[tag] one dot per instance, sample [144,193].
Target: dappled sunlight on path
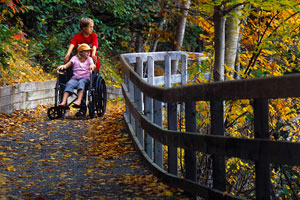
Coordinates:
[73,158]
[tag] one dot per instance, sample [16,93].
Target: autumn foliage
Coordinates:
[269,46]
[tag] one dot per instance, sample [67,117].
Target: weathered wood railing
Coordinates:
[144,121]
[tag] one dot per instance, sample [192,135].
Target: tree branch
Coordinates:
[230,8]
[289,183]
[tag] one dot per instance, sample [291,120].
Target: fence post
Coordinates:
[190,156]
[149,107]
[217,128]
[158,147]
[138,99]
[261,130]
[184,74]
[190,159]
[172,121]
[127,85]
[131,93]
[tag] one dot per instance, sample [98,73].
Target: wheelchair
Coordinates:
[94,99]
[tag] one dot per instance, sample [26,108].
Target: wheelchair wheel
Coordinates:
[54,113]
[91,107]
[100,97]
[59,92]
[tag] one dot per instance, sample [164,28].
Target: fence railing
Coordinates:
[144,119]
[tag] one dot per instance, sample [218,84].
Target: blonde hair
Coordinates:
[82,47]
[85,22]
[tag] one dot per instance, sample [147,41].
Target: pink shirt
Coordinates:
[81,69]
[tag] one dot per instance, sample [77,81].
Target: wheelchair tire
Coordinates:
[91,107]
[54,113]
[59,92]
[101,97]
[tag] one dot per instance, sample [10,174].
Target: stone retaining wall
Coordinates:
[30,95]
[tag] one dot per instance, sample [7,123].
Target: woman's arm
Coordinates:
[94,49]
[67,57]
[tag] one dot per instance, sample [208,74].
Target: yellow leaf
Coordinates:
[2,179]
[11,169]
[168,193]
[287,109]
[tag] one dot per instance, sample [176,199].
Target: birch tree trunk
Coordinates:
[219,21]
[232,39]
[161,26]
[180,31]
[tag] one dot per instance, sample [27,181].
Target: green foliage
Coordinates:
[191,40]
[50,24]
[120,20]
[5,38]
[47,50]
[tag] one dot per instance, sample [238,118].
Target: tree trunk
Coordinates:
[180,31]
[217,107]
[139,42]
[161,26]
[219,21]
[232,39]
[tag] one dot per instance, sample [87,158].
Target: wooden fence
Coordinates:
[144,117]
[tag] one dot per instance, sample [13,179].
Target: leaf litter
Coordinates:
[73,158]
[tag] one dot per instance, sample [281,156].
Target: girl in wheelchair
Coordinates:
[82,64]
[77,76]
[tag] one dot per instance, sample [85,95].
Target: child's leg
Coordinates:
[64,100]
[68,91]
[81,87]
[79,97]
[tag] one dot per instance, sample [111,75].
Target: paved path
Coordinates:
[73,159]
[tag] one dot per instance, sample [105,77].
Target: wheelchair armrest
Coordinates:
[61,71]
